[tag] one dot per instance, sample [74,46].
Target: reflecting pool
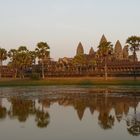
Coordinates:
[69,113]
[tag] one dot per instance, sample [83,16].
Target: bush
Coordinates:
[35,76]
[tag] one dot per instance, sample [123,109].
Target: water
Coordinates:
[69,113]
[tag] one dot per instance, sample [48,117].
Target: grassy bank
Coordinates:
[70,81]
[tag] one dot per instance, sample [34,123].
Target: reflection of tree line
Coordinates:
[104,105]
[21,109]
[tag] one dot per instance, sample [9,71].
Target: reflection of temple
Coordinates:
[120,63]
[109,108]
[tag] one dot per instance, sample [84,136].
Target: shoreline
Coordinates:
[77,81]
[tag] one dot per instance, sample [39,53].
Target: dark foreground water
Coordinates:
[70,113]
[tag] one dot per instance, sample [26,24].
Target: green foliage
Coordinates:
[42,118]
[80,60]
[20,59]
[105,49]
[43,53]
[134,43]
[42,50]
[3,54]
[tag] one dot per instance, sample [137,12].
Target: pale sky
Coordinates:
[63,23]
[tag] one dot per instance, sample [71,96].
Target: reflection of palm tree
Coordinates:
[42,118]
[20,108]
[133,126]
[119,110]
[106,121]
[135,129]
[134,122]
[2,110]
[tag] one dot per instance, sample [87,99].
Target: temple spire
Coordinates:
[118,50]
[103,39]
[125,52]
[91,51]
[80,49]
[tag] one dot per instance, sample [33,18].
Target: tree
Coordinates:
[33,56]
[83,61]
[43,53]
[3,56]
[21,59]
[105,50]
[13,61]
[134,44]
[80,60]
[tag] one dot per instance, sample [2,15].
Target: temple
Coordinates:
[120,63]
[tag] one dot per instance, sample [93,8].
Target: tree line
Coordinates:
[23,58]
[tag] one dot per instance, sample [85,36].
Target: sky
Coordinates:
[64,23]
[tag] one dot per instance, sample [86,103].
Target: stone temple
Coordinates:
[119,53]
[120,63]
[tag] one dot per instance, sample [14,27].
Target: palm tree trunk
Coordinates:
[23,74]
[0,68]
[43,75]
[134,59]
[15,76]
[105,68]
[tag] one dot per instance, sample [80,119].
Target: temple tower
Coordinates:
[80,49]
[103,39]
[91,51]
[118,52]
[125,52]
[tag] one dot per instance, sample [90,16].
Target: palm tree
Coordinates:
[43,53]
[24,59]
[22,49]
[20,60]
[33,56]
[134,44]
[13,61]
[3,56]
[105,49]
